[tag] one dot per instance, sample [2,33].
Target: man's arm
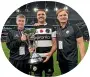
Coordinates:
[80,43]
[79,39]
[53,49]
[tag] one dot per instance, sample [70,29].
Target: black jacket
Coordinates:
[13,43]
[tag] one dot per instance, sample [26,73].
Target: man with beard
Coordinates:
[19,53]
[46,44]
[68,36]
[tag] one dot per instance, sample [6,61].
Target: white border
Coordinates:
[7,7]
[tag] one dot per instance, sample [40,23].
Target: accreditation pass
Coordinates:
[60,44]
[22,50]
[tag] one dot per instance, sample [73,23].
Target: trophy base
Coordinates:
[35,59]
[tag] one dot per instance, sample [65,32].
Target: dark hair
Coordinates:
[41,10]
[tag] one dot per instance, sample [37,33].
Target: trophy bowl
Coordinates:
[35,58]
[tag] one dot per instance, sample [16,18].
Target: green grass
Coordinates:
[56,67]
[5,49]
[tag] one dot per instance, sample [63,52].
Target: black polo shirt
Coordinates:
[66,42]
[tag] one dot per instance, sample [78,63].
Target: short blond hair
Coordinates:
[60,10]
[21,16]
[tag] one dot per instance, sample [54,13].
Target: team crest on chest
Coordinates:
[47,30]
[67,32]
[16,35]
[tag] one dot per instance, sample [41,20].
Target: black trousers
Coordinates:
[47,67]
[66,65]
[21,65]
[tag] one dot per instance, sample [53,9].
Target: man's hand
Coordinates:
[36,24]
[48,55]
[23,37]
[53,49]
[31,49]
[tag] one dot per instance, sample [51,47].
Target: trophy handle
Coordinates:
[31,39]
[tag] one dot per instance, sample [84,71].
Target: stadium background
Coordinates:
[29,10]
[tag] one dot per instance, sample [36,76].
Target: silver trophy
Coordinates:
[35,58]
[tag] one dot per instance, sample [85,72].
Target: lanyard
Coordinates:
[59,34]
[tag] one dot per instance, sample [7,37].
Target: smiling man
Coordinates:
[46,44]
[68,36]
[19,53]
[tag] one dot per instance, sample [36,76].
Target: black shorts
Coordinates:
[47,67]
[21,65]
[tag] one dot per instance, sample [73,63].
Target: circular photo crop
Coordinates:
[45,38]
